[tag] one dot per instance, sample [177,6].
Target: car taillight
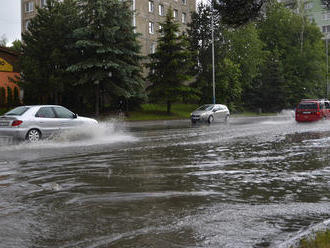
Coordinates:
[16,123]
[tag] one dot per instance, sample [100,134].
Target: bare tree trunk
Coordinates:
[168,107]
[97,100]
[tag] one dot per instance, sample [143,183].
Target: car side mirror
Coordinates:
[75,116]
[214,110]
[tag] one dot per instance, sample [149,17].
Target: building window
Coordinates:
[161,9]
[153,48]
[311,19]
[29,7]
[326,16]
[184,2]
[308,5]
[26,26]
[151,6]
[175,14]
[43,3]
[326,29]
[184,18]
[151,27]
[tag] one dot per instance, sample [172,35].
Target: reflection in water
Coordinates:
[247,184]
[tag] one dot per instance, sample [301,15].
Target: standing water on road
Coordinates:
[255,182]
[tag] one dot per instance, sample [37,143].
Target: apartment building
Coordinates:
[150,13]
[314,10]
[147,17]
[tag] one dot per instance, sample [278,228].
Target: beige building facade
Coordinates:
[148,14]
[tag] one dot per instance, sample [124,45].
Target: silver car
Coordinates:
[35,122]
[210,112]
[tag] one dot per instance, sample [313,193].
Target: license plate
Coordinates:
[306,112]
[4,123]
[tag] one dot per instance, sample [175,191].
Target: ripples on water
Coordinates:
[247,184]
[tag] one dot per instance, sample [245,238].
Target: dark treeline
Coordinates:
[269,64]
[85,55]
[82,54]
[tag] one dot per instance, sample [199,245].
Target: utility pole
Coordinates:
[213,71]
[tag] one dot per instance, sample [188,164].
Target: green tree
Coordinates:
[244,47]
[238,12]
[302,60]
[170,65]
[269,91]
[17,46]
[228,83]
[46,53]
[239,46]
[16,100]
[2,96]
[109,50]
[9,97]
[3,40]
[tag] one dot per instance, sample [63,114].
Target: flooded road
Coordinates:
[255,182]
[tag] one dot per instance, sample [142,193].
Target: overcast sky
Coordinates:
[10,20]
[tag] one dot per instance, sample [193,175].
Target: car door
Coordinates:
[216,112]
[220,113]
[66,118]
[47,122]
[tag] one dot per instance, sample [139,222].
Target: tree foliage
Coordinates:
[302,60]
[170,65]
[109,49]
[2,96]
[10,97]
[270,64]
[17,46]
[237,49]
[3,40]
[47,55]
[238,12]
[70,45]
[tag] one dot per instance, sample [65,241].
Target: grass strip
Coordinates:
[159,112]
[320,240]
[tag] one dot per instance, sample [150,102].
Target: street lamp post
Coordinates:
[213,71]
[326,48]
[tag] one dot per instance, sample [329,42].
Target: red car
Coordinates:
[312,110]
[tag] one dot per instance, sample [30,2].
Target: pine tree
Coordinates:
[16,97]
[170,65]
[9,97]
[238,12]
[2,96]
[46,54]
[109,48]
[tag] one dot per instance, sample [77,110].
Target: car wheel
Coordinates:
[33,135]
[210,119]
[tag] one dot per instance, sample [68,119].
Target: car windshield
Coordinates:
[307,105]
[17,111]
[205,107]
